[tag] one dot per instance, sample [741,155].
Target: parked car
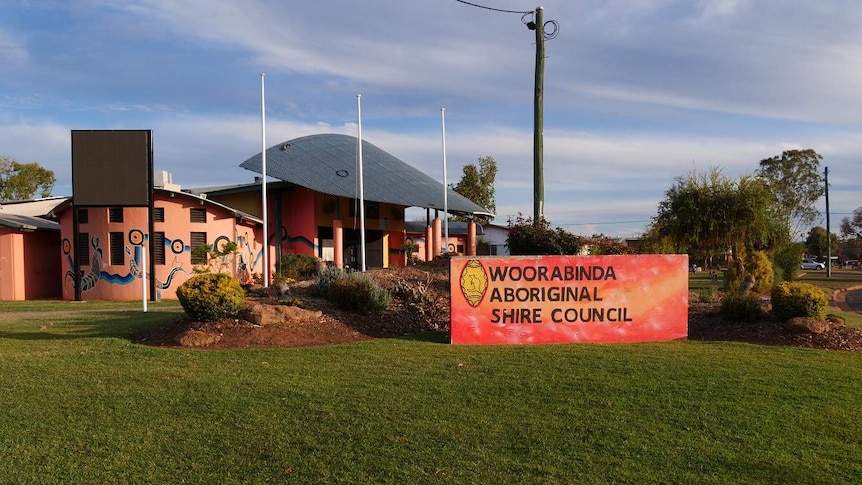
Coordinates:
[811,264]
[852,263]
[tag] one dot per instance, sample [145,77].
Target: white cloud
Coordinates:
[12,49]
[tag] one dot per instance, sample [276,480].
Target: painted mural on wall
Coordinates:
[136,240]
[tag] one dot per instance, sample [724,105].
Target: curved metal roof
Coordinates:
[328,163]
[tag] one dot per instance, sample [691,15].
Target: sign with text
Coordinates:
[564,299]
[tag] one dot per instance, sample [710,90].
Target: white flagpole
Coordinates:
[361,182]
[263,181]
[445,248]
[144,275]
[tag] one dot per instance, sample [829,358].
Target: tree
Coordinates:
[20,181]
[708,213]
[477,184]
[815,243]
[796,183]
[851,227]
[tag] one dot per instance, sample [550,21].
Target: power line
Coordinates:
[602,223]
[494,9]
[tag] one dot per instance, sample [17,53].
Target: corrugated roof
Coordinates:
[328,163]
[27,223]
[33,208]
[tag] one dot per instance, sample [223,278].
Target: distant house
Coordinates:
[29,256]
[112,242]
[496,237]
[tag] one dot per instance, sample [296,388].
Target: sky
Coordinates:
[636,92]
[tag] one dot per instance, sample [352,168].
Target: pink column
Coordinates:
[438,237]
[429,238]
[471,239]
[338,243]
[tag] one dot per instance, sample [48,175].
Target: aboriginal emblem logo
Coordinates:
[474,282]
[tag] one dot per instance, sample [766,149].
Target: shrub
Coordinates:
[758,264]
[296,266]
[359,293]
[420,300]
[529,238]
[323,281]
[739,307]
[410,248]
[787,260]
[211,296]
[798,300]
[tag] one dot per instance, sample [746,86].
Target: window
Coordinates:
[117,253]
[159,248]
[372,209]
[115,214]
[83,216]
[197,214]
[158,214]
[198,239]
[83,249]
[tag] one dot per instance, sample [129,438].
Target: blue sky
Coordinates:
[637,92]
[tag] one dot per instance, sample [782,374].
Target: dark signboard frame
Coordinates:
[112,167]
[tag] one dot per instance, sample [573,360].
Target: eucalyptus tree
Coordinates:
[851,227]
[796,182]
[709,213]
[477,184]
[21,181]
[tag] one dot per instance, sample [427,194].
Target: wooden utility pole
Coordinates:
[828,231]
[538,121]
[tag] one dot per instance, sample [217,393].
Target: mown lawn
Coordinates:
[82,404]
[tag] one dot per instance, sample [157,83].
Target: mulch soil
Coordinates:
[320,322]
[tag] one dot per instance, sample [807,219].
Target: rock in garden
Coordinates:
[197,338]
[808,325]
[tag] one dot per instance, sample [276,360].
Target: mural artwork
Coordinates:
[97,274]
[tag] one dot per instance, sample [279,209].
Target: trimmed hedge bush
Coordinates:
[211,296]
[798,300]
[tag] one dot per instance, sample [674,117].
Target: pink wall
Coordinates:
[105,281]
[29,265]
[11,270]
[298,218]
[42,261]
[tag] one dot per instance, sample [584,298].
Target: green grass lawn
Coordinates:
[80,403]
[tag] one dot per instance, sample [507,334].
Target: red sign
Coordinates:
[564,299]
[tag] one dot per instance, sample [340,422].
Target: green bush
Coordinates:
[758,264]
[786,260]
[211,296]
[359,293]
[296,266]
[529,238]
[741,308]
[410,249]
[323,281]
[798,300]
